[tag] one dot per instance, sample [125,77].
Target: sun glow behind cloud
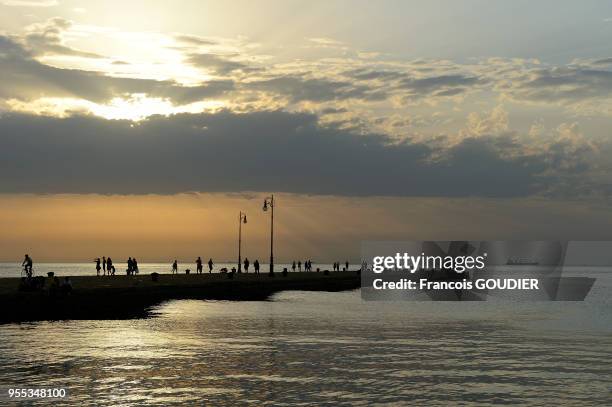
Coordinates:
[126,54]
[135,108]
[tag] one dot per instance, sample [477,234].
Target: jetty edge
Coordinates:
[126,297]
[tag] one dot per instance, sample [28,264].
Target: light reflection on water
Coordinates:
[324,348]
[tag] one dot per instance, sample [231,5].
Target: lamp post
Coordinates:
[269,201]
[241,219]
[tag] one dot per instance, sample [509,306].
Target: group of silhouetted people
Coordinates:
[337,266]
[307,265]
[246,263]
[132,266]
[199,266]
[106,265]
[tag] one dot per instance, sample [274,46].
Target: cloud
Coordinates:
[47,39]
[421,80]
[25,78]
[260,151]
[218,64]
[604,61]
[580,86]
[494,122]
[301,88]
[193,40]
[441,85]
[366,74]
[569,149]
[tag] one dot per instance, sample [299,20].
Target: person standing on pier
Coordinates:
[210,266]
[256,266]
[175,267]
[246,264]
[293,266]
[110,267]
[300,266]
[199,265]
[347,264]
[135,265]
[130,266]
[98,266]
[103,265]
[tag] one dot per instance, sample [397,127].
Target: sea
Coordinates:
[318,348]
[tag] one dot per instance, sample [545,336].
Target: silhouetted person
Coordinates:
[98,266]
[210,266]
[135,265]
[104,265]
[27,265]
[300,266]
[293,266]
[175,267]
[346,264]
[256,266]
[199,265]
[130,266]
[246,264]
[109,266]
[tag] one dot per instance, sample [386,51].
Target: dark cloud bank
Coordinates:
[263,151]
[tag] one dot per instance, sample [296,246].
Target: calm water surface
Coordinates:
[326,349]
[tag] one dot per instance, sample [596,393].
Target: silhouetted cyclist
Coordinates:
[27,265]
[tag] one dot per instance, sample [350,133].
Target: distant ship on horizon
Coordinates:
[518,261]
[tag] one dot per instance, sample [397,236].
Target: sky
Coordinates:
[143,128]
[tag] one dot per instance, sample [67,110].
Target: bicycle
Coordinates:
[27,272]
